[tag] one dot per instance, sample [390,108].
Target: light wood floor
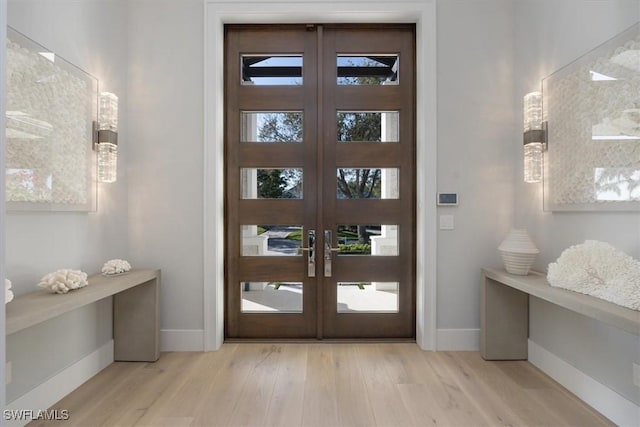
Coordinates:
[324,385]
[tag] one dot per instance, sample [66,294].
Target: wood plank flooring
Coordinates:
[318,384]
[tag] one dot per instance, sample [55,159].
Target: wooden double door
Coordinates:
[320,181]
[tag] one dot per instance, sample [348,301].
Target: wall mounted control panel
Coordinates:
[447,199]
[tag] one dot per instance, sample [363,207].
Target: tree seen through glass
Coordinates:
[285,127]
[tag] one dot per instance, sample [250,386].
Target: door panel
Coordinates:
[398,158]
[320,141]
[247,154]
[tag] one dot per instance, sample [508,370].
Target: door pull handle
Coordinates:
[311,253]
[328,241]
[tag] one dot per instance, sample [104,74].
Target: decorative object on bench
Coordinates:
[115,266]
[600,270]
[63,281]
[518,252]
[8,293]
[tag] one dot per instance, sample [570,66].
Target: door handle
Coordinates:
[328,241]
[311,253]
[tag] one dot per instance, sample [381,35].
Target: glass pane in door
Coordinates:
[271,126]
[367,70]
[271,297]
[375,183]
[271,240]
[367,297]
[271,70]
[375,240]
[271,183]
[368,126]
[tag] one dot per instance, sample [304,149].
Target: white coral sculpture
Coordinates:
[600,270]
[115,266]
[8,293]
[63,281]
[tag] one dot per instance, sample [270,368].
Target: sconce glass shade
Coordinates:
[107,162]
[533,156]
[533,137]
[107,137]
[533,111]
[108,112]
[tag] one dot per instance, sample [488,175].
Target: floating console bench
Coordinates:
[504,311]
[136,311]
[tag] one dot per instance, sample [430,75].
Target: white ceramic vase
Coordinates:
[518,252]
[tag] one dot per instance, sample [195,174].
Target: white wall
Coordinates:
[550,34]
[475,126]
[92,35]
[166,61]
[476,122]
[3,50]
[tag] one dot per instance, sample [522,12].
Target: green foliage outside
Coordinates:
[355,248]
[279,127]
[359,127]
[345,233]
[352,183]
[295,235]
[271,183]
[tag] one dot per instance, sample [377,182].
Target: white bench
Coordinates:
[504,311]
[136,311]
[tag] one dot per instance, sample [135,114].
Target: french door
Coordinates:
[320,181]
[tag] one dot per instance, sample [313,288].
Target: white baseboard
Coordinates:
[458,339]
[181,340]
[606,401]
[63,383]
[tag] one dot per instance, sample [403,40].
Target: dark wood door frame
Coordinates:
[319,44]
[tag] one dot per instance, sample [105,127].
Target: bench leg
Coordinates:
[504,322]
[136,323]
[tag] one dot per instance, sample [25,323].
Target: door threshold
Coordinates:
[320,341]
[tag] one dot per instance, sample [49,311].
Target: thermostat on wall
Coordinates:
[447,199]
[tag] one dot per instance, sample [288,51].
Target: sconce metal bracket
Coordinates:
[102,136]
[536,135]
[108,136]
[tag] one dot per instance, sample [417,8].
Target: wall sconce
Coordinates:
[106,137]
[535,137]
